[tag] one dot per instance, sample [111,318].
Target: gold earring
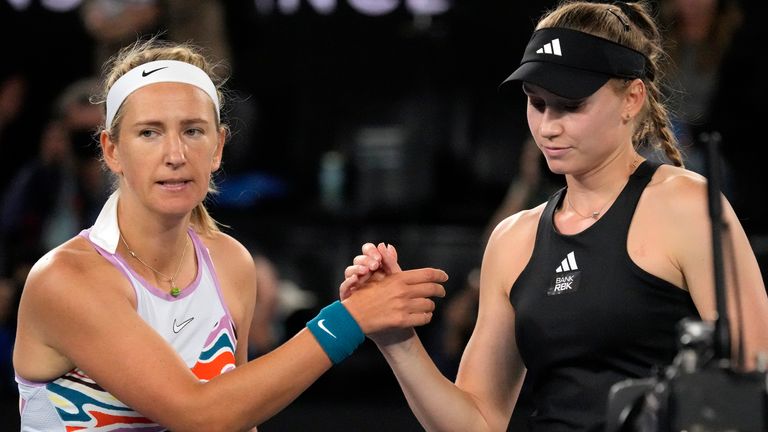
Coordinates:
[627,116]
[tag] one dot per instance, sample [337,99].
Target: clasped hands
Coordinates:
[393,301]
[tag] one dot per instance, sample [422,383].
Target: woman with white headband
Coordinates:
[587,289]
[141,321]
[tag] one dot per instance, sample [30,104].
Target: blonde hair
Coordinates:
[631,25]
[143,51]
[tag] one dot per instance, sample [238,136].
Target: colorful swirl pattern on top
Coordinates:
[218,354]
[197,324]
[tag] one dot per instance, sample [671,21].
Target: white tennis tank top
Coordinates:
[197,324]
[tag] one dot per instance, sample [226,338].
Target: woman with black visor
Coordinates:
[586,289]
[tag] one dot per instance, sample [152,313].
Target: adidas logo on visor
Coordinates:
[551,48]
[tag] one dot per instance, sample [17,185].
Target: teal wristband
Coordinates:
[336,331]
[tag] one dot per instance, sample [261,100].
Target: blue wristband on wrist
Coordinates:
[336,331]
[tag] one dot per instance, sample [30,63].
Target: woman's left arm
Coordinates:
[692,252]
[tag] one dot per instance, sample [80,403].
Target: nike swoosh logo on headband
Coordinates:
[145,73]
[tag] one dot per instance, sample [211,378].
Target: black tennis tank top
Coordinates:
[587,316]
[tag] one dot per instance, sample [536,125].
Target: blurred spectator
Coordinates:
[81,118]
[29,203]
[264,334]
[201,22]
[61,189]
[13,93]
[281,307]
[40,67]
[532,185]
[115,23]
[700,35]
[737,104]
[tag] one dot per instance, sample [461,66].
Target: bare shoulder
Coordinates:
[671,217]
[68,293]
[226,250]
[674,194]
[68,269]
[510,247]
[234,265]
[677,187]
[519,227]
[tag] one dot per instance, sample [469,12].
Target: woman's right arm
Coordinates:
[491,372]
[74,311]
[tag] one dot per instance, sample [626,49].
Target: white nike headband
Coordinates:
[156,72]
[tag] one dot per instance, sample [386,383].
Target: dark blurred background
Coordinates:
[353,121]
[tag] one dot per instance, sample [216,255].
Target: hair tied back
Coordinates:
[625,7]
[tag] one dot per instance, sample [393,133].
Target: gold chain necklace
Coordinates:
[175,290]
[596,214]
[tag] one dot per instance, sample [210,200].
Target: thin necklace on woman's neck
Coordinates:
[596,214]
[175,290]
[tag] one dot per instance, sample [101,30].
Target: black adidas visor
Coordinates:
[574,64]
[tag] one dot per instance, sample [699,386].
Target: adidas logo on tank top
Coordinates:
[567,276]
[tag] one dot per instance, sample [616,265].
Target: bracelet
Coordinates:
[336,331]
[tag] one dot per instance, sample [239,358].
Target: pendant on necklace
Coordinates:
[175,291]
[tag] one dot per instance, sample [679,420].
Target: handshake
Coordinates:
[379,300]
